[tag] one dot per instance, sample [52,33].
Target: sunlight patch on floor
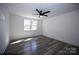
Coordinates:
[22,40]
[28,39]
[17,42]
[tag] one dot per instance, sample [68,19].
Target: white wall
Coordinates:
[64,27]
[4,30]
[17,28]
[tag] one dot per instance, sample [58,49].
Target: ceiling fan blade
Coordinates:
[46,15]
[46,12]
[37,10]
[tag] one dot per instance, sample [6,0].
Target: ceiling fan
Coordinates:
[41,13]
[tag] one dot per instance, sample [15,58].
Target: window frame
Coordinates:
[31,24]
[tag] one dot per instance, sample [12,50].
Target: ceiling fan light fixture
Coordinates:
[41,16]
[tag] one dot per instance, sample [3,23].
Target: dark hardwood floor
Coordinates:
[40,45]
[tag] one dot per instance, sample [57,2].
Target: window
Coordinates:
[27,24]
[34,25]
[30,24]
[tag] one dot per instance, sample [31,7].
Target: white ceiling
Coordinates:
[29,9]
